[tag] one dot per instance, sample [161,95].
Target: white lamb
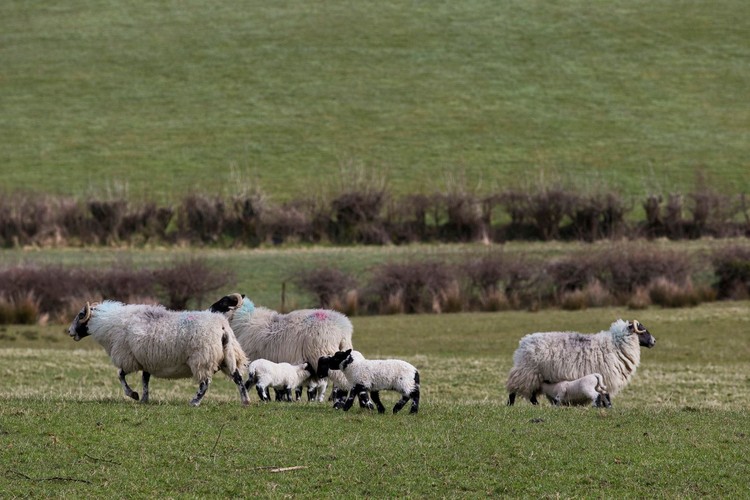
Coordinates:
[283,377]
[585,390]
[558,356]
[299,336]
[374,376]
[163,343]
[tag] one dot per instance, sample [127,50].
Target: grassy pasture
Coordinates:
[168,97]
[679,430]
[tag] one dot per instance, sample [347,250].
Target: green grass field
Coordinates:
[680,429]
[159,99]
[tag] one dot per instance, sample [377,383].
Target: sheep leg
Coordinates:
[511,398]
[298,393]
[414,401]
[401,403]
[533,399]
[237,378]
[375,395]
[339,397]
[202,388]
[125,387]
[353,394]
[145,378]
[262,393]
[364,401]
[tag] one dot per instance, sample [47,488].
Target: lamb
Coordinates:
[316,389]
[163,343]
[558,356]
[374,376]
[300,336]
[283,377]
[588,389]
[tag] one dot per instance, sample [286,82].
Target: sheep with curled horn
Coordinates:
[560,356]
[163,343]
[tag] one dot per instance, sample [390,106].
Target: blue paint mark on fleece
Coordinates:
[247,307]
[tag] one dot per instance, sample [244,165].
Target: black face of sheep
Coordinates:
[340,360]
[79,328]
[227,303]
[644,336]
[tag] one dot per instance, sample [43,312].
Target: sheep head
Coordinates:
[79,328]
[645,339]
[227,303]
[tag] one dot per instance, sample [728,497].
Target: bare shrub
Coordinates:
[573,301]
[499,281]
[598,215]
[407,219]
[146,223]
[107,216]
[417,284]
[190,280]
[732,270]
[358,205]
[329,285]
[640,299]
[201,219]
[654,226]
[665,293]
[291,222]
[630,267]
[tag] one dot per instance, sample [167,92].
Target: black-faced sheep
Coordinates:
[585,390]
[163,343]
[283,377]
[301,336]
[375,376]
[558,356]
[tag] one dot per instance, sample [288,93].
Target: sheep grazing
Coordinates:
[559,356]
[303,335]
[585,390]
[283,377]
[374,376]
[163,343]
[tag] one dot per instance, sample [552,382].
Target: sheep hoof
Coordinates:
[134,395]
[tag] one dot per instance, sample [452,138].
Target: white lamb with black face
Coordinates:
[283,377]
[374,375]
[163,343]
[585,390]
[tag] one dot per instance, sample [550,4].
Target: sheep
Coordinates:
[557,356]
[283,377]
[316,389]
[588,389]
[299,336]
[163,343]
[375,376]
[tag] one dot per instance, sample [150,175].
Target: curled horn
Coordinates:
[87,314]
[238,298]
[638,327]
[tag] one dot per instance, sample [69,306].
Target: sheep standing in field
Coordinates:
[558,356]
[283,377]
[375,376]
[163,343]
[299,336]
[585,390]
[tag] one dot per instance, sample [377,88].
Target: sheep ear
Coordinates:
[348,352]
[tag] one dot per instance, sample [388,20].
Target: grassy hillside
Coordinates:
[162,98]
[679,429]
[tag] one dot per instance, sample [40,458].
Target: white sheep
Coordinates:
[163,343]
[585,390]
[283,377]
[299,336]
[558,356]
[374,376]
[316,389]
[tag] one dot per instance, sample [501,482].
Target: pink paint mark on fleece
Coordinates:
[190,317]
[320,315]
